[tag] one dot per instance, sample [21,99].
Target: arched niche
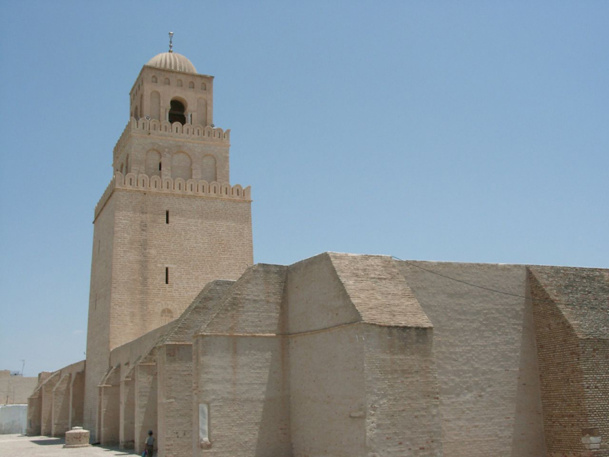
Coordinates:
[208,168]
[155,105]
[181,166]
[153,163]
[166,316]
[202,111]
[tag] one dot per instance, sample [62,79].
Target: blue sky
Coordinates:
[450,131]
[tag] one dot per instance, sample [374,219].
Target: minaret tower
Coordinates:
[170,221]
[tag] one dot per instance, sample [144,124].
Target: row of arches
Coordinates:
[179,83]
[181,166]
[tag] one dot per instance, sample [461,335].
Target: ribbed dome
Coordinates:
[172,61]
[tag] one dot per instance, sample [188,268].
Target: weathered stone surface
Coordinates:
[77,437]
[335,355]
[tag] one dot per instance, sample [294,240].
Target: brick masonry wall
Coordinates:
[143,240]
[138,147]
[328,393]
[15,389]
[46,422]
[562,393]
[205,239]
[402,395]
[109,414]
[34,411]
[61,406]
[77,387]
[243,380]
[595,372]
[98,342]
[146,417]
[489,391]
[316,298]
[174,365]
[127,414]
[574,370]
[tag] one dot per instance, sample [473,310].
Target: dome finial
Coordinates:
[170,41]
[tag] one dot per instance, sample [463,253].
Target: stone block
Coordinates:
[77,437]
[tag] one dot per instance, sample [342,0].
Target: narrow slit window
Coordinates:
[166,275]
[167,217]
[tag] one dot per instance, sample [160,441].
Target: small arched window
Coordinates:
[154,80]
[177,112]
[166,316]
[191,85]
[203,86]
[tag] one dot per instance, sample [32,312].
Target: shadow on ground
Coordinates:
[47,441]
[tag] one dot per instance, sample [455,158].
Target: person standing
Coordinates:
[149,444]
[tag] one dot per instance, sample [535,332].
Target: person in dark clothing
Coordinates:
[149,444]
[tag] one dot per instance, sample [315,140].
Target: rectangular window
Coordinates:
[167,217]
[166,275]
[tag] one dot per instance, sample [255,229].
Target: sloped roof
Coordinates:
[581,294]
[253,305]
[180,330]
[372,286]
[379,291]
[198,314]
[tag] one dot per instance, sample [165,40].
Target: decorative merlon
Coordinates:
[165,129]
[173,186]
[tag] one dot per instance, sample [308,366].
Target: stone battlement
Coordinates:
[175,186]
[164,129]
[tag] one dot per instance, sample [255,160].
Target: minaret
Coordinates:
[170,221]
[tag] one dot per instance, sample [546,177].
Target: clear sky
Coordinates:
[473,131]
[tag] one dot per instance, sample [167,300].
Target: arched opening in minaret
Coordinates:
[177,112]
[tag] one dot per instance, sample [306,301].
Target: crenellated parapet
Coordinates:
[173,186]
[166,129]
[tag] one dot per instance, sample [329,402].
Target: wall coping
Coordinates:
[191,187]
[155,127]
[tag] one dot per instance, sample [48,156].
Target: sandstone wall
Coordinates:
[483,342]
[328,404]
[171,246]
[152,254]
[15,389]
[175,399]
[98,336]
[595,371]
[402,392]
[572,317]
[242,380]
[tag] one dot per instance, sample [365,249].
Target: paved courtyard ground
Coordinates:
[45,446]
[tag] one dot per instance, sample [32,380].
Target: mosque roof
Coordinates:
[172,61]
[581,294]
